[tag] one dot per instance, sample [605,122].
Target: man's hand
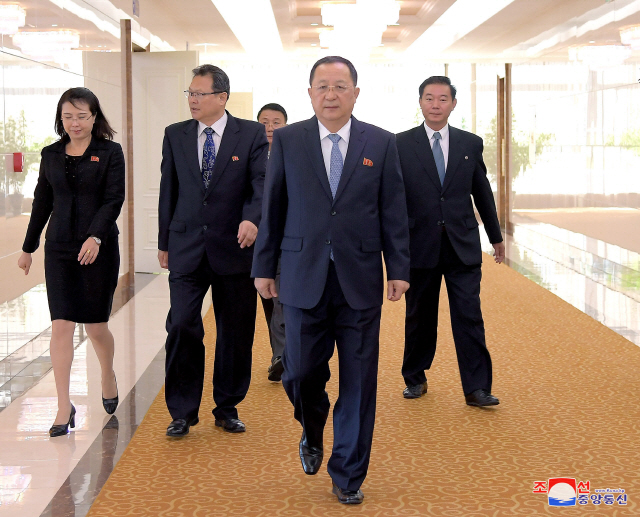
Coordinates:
[395,289]
[247,233]
[498,256]
[24,262]
[163,258]
[266,287]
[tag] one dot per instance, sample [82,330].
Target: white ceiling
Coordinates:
[507,36]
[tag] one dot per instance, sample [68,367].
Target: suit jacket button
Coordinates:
[327,241]
[204,227]
[204,203]
[439,223]
[333,212]
[441,199]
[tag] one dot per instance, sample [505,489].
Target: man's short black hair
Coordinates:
[438,79]
[273,107]
[220,80]
[335,59]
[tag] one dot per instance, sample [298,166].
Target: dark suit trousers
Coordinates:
[275,320]
[421,325]
[311,335]
[234,305]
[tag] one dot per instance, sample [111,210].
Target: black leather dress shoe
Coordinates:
[481,398]
[348,496]
[416,391]
[275,370]
[180,426]
[231,425]
[311,457]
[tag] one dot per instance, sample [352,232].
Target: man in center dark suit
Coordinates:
[443,170]
[210,207]
[334,203]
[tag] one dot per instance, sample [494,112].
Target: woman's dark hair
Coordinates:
[101,127]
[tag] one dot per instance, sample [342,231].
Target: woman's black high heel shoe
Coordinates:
[62,429]
[110,405]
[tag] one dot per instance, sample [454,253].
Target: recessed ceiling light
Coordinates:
[592,41]
[314,44]
[54,25]
[314,24]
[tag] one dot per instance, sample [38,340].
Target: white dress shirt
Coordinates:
[327,144]
[218,128]
[444,141]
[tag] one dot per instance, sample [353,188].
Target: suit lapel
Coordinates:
[230,139]
[314,151]
[455,154]
[425,155]
[357,140]
[190,149]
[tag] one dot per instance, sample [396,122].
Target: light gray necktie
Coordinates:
[438,156]
[335,168]
[335,164]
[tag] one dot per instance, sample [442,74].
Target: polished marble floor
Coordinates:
[62,477]
[600,279]
[33,468]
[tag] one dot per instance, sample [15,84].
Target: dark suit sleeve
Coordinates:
[483,199]
[252,210]
[168,193]
[274,210]
[113,196]
[40,211]
[393,213]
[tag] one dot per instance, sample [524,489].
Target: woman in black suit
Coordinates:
[80,191]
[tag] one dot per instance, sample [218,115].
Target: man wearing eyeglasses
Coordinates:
[211,189]
[274,116]
[334,205]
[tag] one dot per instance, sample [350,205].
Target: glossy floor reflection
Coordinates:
[37,473]
[600,279]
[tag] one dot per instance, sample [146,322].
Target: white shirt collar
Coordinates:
[444,132]
[344,131]
[218,126]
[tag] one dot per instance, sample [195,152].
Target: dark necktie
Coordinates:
[208,157]
[438,156]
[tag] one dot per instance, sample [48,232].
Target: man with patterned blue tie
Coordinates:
[444,175]
[210,206]
[334,204]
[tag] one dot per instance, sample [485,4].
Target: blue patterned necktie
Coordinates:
[438,156]
[208,157]
[335,165]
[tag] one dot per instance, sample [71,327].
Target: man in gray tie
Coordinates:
[443,170]
[334,204]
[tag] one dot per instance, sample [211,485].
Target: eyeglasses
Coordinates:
[199,95]
[79,118]
[325,88]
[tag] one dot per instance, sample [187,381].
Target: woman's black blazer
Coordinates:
[96,201]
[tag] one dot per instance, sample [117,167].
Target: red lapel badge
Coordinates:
[95,159]
[235,158]
[367,162]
